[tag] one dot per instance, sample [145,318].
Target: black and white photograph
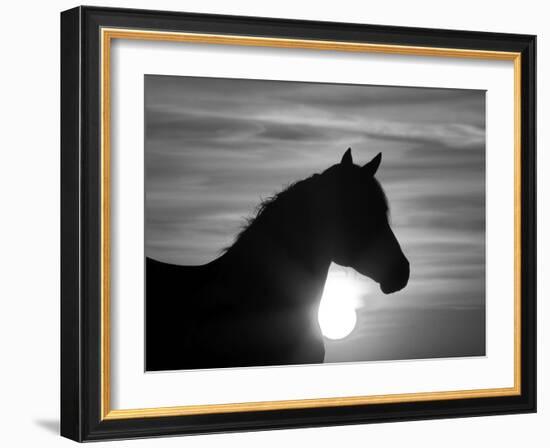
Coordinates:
[303,223]
[282,220]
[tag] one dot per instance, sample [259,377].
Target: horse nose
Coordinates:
[398,279]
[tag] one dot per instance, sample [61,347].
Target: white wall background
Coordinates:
[29,228]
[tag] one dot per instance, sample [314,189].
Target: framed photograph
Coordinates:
[274,224]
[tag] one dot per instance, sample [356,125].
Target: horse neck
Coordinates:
[293,230]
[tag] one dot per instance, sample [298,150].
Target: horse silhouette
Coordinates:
[257,304]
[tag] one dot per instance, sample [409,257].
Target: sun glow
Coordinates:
[341,297]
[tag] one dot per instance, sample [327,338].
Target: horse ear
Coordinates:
[371,167]
[346,158]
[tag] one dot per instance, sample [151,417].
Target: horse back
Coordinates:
[222,315]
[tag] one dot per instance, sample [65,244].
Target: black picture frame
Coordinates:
[81,288]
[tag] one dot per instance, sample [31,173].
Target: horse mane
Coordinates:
[268,207]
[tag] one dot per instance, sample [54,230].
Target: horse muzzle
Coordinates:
[397,280]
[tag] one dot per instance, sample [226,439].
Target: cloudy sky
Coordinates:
[215,147]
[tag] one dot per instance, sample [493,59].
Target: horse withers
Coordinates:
[257,304]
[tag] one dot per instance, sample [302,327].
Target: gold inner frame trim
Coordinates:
[107,35]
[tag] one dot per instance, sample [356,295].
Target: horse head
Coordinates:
[357,224]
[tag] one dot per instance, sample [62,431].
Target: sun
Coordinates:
[337,311]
